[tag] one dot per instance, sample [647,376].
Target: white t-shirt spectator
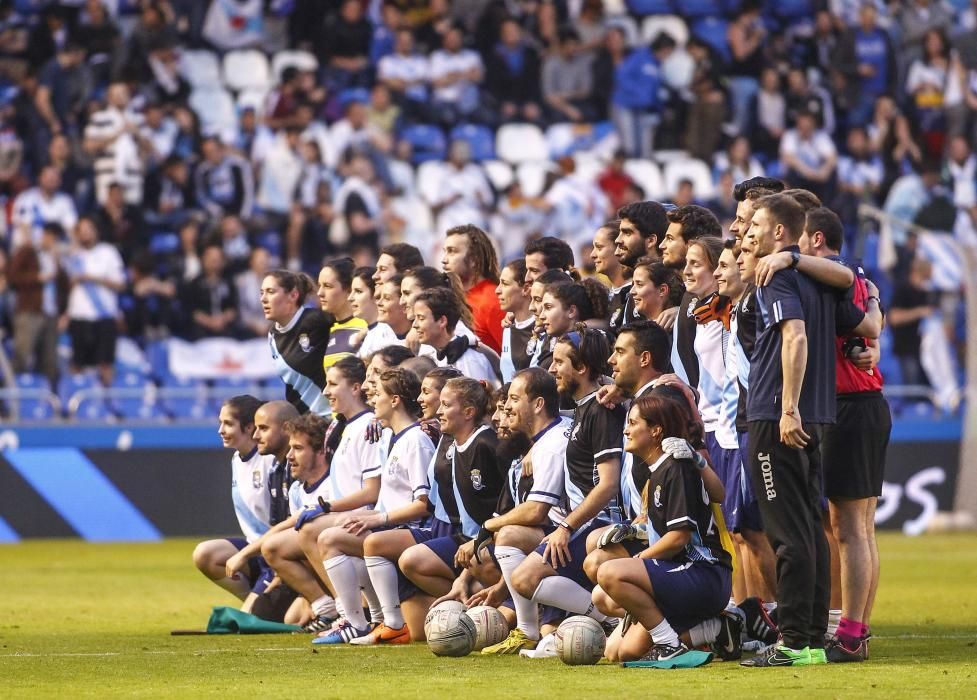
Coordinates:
[410,69]
[813,152]
[280,175]
[31,210]
[89,301]
[860,173]
[474,193]
[463,93]
[119,161]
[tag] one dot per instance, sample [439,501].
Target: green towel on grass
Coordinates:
[225,620]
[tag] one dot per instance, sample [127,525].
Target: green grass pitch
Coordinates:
[81,619]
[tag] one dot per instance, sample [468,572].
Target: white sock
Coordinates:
[342,575]
[383,574]
[565,594]
[324,606]
[527,614]
[369,592]
[834,618]
[770,607]
[664,634]
[705,632]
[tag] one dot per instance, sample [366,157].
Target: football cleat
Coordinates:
[512,644]
[318,624]
[759,625]
[383,635]
[818,656]
[780,655]
[545,649]
[837,653]
[341,634]
[728,645]
[664,652]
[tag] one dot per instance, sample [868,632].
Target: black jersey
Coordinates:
[676,499]
[622,308]
[595,437]
[745,312]
[685,363]
[297,350]
[279,482]
[479,477]
[442,499]
[518,340]
[516,489]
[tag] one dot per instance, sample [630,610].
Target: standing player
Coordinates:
[684,577]
[436,314]
[251,496]
[642,226]
[554,574]
[514,298]
[468,253]
[607,264]
[390,313]
[534,403]
[298,338]
[335,286]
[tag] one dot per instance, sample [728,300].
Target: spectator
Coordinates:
[233,240]
[355,133]
[707,111]
[155,28]
[96,275]
[738,161]
[64,85]
[11,152]
[49,35]
[120,224]
[40,205]
[771,114]
[98,34]
[308,240]
[112,138]
[283,101]
[406,74]
[382,114]
[313,176]
[513,75]
[746,36]
[876,63]
[225,183]
[247,285]
[614,180]
[635,103]
[210,299]
[75,179]
[149,307]
[359,202]
[912,301]
[456,74]
[809,157]
[961,176]
[860,176]
[590,25]
[803,97]
[609,58]
[185,265]
[280,173]
[567,81]
[159,132]
[40,286]
[926,85]
[384,32]
[234,25]
[916,19]
[464,193]
[518,220]
[575,206]
[345,47]
[169,195]
[892,139]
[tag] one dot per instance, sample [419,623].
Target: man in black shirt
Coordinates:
[791,383]
[642,226]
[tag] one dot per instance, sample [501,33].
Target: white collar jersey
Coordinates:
[404,474]
[356,459]
[548,455]
[250,494]
[302,496]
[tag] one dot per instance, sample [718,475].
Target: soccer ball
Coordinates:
[451,633]
[490,626]
[580,641]
[437,610]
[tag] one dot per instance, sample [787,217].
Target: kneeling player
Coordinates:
[252,500]
[683,579]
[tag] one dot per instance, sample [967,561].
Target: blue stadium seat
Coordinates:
[164,243]
[272,242]
[712,30]
[142,406]
[641,8]
[427,142]
[479,138]
[692,9]
[158,356]
[69,384]
[190,405]
[791,10]
[33,407]
[226,387]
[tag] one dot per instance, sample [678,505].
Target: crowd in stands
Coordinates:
[157,158]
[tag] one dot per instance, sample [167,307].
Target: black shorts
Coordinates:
[853,451]
[93,342]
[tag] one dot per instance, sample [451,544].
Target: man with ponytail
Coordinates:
[468,253]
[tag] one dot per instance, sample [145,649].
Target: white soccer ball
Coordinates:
[580,641]
[452,633]
[437,610]
[490,626]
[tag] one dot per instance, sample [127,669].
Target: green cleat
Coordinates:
[818,657]
[780,655]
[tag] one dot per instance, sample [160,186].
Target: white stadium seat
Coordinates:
[532,177]
[200,68]
[254,98]
[429,175]
[499,173]
[244,69]
[689,169]
[673,25]
[648,176]
[303,60]
[518,143]
[588,166]
[216,111]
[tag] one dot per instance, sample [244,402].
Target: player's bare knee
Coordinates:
[412,560]
[594,537]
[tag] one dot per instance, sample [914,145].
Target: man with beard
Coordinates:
[642,226]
